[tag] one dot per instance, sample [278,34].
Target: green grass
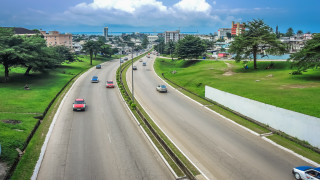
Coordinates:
[282,86]
[160,133]
[296,93]
[23,105]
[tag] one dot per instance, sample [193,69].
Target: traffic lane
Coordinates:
[223,149]
[94,147]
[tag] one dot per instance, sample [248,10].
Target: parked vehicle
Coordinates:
[109,84]
[95,79]
[162,88]
[98,66]
[306,172]
[79,105]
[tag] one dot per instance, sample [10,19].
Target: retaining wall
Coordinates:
[299,125]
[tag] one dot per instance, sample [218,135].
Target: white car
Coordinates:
[306,172]
[162,88]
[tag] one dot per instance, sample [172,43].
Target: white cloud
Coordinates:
[193,6]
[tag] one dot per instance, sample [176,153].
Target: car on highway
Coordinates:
[98,66]
[306,172]
[162,88]
[144,64]
[140,60]
[79,105]
[134,68]
[121,60]
[95,79]
[125,58]
[109,84]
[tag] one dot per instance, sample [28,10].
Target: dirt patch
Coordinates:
[3,169]
[299,86]
[229,71]
[11,121]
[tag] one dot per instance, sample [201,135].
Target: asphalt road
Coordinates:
[103,142]
[221,149]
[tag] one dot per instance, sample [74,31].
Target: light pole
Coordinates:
[132,74]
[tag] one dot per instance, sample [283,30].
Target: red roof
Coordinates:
[79,99]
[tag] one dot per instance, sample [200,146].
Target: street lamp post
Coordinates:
[132,74]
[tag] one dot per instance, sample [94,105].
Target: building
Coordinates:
[174,36]
[152,39]
[223,32]
[105,33]
[53,38]
[237,28]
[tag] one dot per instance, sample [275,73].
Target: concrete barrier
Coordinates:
[295,124]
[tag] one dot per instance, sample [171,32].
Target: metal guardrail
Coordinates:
[173,156]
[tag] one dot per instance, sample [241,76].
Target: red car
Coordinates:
[79,105]
[109,84]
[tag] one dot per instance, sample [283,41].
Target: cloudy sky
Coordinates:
[203,16]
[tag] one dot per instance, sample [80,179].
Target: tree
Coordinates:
[257,39]
[145,42]
[65,53]
[170,48]
[10,48]
[106,50]
[97,48]
[89,48]
[289,32]
[308,56]
[299,32]
[190,47]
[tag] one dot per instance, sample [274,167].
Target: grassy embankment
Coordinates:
[23,105]
[274,86]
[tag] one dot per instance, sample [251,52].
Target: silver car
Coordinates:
[162,88]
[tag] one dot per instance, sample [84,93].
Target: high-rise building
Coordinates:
[174,36]
[223,32]
[237,29]
[105,32]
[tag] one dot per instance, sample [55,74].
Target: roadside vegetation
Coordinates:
[20,109]
[135,107]
[276,86]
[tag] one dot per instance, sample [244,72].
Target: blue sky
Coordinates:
[204,16]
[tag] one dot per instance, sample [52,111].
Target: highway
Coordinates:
[103,142]
[219,148]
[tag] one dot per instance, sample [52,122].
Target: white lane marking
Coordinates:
[226,152]
[145,133]
[109,138]
[46,141]
[247,129]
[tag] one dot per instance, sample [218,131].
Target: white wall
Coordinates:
[295,124]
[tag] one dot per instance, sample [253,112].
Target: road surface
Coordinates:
[221,149]
[103,142]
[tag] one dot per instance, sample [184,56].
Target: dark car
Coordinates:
[98,66]
[95,79]
[79,105]
[144,64]
[125,58]
[134,68]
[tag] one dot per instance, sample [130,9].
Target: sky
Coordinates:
[201,16]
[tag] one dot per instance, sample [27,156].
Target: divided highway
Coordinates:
[221,149]
[103,142]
